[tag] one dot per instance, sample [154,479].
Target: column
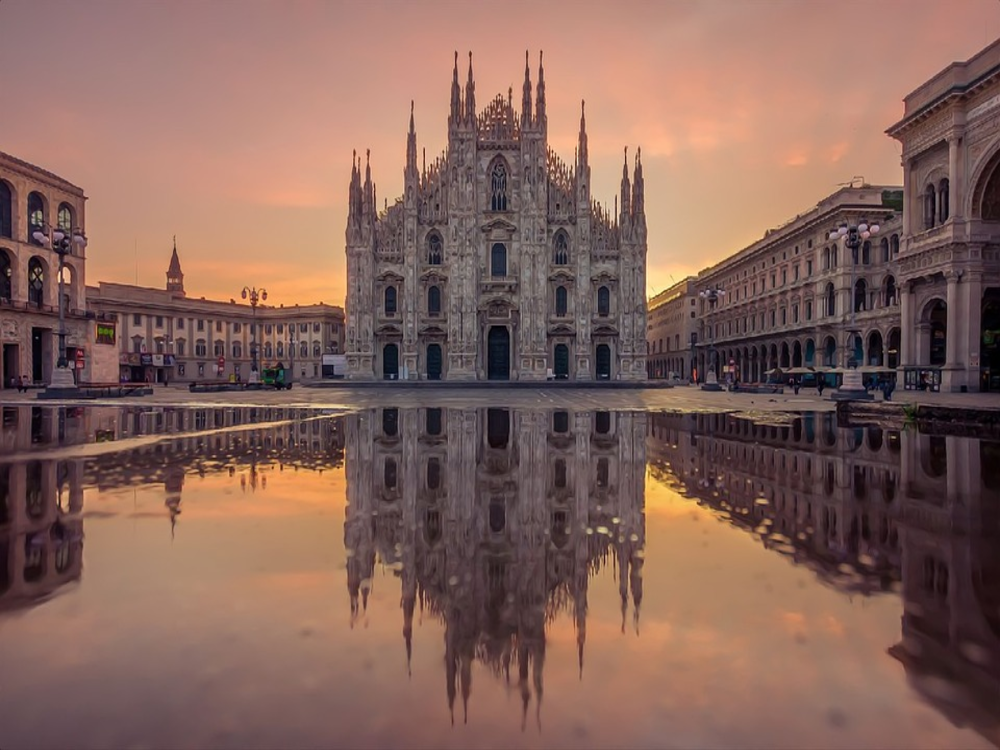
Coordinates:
[953,373]
[906,325]
[956,175]
[970,340]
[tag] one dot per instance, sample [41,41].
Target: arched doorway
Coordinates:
[603,362]
[785,356]
[560,364]
[875,357]
[498,353]
[390,362]
[810,353]
[936,315]
[434,362]
[893,349]
[797,354]
[829,352]
[990,338]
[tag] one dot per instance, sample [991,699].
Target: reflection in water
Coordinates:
[530,506]
[829,499]
[499,523]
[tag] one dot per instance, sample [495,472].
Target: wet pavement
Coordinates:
[459,575]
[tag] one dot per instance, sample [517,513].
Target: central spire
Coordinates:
[470,95]
[526,98]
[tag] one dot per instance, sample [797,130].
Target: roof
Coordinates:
[56,179]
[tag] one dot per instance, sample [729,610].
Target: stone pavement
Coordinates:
[682,398]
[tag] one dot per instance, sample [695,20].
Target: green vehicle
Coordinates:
[275,377]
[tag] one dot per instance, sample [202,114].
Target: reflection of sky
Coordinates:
[236,633]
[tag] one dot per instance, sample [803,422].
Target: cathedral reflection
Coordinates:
[870,511]
[494,520]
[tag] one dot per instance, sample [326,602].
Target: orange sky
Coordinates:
[231,123]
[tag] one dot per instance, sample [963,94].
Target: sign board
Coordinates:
[105,333]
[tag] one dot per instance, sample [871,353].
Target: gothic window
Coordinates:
[831,300]
[561,250]
[390,300]
[64,219]
[561,301]
[498,186]
[6,211]
[435,249]
[36,283]
[36,216]
[498,261]
[434,300]
[6,287]
[603,301]
[943,201]
[930,204]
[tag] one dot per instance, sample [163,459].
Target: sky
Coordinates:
[231,123]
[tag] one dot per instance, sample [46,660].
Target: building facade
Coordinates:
[162,335]
[33,199]
[950,259]
[496,263]
[671,331]
[796,299]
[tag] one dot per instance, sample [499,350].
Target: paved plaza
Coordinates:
[682,398]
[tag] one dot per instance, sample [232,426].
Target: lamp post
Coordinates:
[291,353]
[854,235]
[61,240]
[254,295]
[712,296]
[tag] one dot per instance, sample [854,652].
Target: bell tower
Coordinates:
[175,276]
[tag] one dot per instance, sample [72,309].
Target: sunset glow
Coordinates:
[231,124]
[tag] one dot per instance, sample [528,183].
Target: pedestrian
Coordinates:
[819,386]
[888,389]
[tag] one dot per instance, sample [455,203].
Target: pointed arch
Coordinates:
[435,249]
[498,181]
[560,248]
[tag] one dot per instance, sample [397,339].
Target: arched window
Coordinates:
[317,349]
[434,300]
[890,291]
[561,255]
[943,190]
[894,245]
[303,349]
[219,348]
[562,303]
[603,301]
[200,348]
[64,219]
[860,289]
[831,300]
[280,348]
[6,278]
[435,249]
[866,253]
[826,259]
[930,204]
[498,261]
[884,247]
[498,186]
[36,216]
[36,283]
[6,211]
[390,300]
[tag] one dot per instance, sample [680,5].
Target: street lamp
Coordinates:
[254,295]
[61,241]
[853,235]
[711,295]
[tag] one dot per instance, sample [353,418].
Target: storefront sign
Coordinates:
[157,360]
[145,359]
[105,333]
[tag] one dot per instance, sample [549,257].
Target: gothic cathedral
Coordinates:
[496,263]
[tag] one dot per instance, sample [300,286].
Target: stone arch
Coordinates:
[876,354]
[786,356]
[796,354]
[934,324]
[983,201]
[70,284]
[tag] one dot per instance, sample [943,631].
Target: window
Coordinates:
[866,253]
[268,329]
[64,218]
[433,473]
[281,327]
[137,344]
[603,301]
[317,349]
[218,326]
[36,283]
[560,422]
[435,249]
[943,194]
[894,245]
[303,349]
[930,204]
[268,350]
[181,347]
[434,300]
[201,369]
[6,280]
[180,324]
[6,211]
[562,303]
[237,350]
[561,255]
[281,349]
[36,217]
[498,186]
[180,370]
[602,422]
[809,309]
[200,348]
[136,319]
[498,261]
[219,348]
[390,301]
[159,346]
[831,300]
[303,328]
[809,268]
[201,325]
[316,327]
[434,422]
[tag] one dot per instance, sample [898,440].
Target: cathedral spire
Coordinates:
[175,277]
[470,96]
[411,146]
[540,89]
[368,205]
[626,192]
[583,133]
[638,188]
[526,97]
[456,95]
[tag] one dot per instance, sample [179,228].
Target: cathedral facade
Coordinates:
[496,263]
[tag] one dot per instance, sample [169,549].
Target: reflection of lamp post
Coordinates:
[852,387]
[254,295]
[61,241]
[711,295]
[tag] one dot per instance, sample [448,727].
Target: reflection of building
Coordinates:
[165,335]
[866,508]
[32,199]
[828,498]
[791,296]
[950,263]
[495,263]
[494,520]
[671,330]
[41,531]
